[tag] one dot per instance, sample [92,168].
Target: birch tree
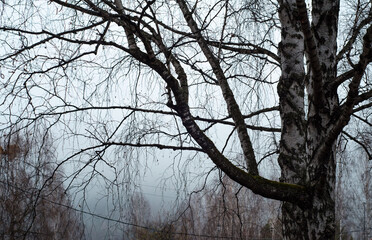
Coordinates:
[277,80]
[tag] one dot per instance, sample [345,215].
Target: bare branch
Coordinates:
[233,107]
[368,105]
[355,31]
[365,148]
[240,48]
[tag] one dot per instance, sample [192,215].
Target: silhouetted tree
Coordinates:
[261,79]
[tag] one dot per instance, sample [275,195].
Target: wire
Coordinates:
[117,220]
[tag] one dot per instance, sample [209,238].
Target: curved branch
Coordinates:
[233,107]
[282,191]
[272,189]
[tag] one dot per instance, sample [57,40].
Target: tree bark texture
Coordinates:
[303,133]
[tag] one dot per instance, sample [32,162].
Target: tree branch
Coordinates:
[341,79]
[154,145]
[355,32]
[238,47]
[228,95]
[312,54]
[365,148]
[363,97]
[368,105]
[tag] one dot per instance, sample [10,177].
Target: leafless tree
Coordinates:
[354,188]
[224,209]
[259,79]
[29,209]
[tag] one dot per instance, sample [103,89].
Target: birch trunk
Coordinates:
[304,130]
